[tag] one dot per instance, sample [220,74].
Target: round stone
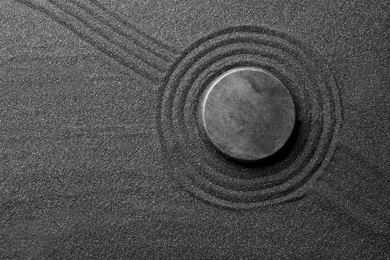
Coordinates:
[248,114]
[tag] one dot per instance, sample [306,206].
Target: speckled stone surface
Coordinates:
[248,114]
[82,172]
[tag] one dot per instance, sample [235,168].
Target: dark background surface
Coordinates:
[81,166]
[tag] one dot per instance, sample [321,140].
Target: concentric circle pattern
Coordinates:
[203,171]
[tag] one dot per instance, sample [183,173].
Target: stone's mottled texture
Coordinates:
[248,114]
